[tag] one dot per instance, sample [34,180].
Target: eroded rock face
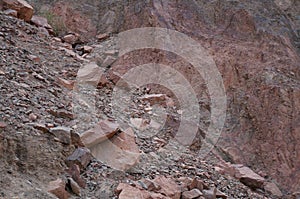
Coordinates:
[257,52]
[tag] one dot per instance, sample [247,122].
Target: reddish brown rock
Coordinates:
[198,184]
[185,183]
[34,58]
[102,37]
[120,152]
[194,193]
[57,188]
[150,185]
[102,131]
[66,83]
[81,157]
[168,187]
[40,22]
[71,38]
[89,74]
[87,49]
[273,189]
[128,192]
[25,11]
[248,177]
[74,172]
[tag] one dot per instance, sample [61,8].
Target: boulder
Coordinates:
[128,192]
[194,193]
[40,22]
[74,172]
[120,152]
[102,131]
[102,37]
[81,157]
[71,38]
[273,189]
[89,74]
[248,177]
[168,187]
[57,188]
[62,134]
[24,10]
[210,194]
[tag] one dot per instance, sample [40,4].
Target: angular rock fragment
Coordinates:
[192,194]
[273,189]
[57,188]
[120,152]
[74,172]
[248,177]
[102,131]
[168,187]
[74,186]
[24,10]
[81,157]
[62,134]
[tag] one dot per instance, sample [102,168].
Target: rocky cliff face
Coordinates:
[256,47]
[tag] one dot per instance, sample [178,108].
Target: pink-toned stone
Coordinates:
[69,84]
[192,194]
[71,38]
[102,37]
[273,189]
[168,187]
[57,188]
[102,131]
[40,22]
[248,176]
[120,152]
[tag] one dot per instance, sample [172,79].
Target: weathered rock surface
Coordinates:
[57,188]
[24,10]
[120,152]
[102,131]
[81,157]
[248,177]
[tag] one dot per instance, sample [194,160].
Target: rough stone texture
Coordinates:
[25,11]
[62,134]
[272,188]
[120,152]
[101,132]
[57,188]
[40,22]
[248,177]
[168,187]
[81,156]
[194,193]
